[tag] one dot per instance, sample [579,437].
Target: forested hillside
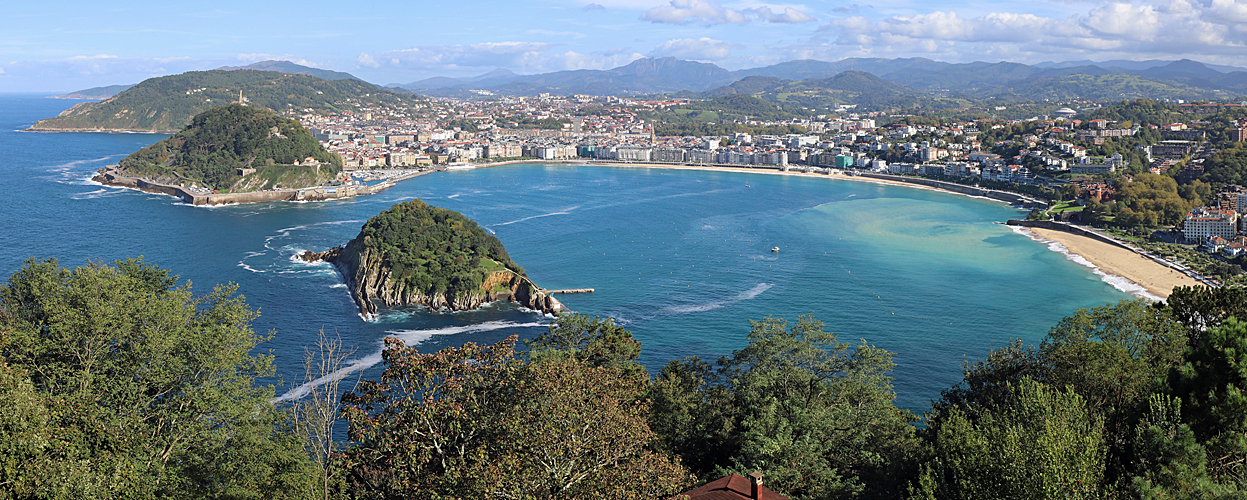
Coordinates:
[166,104]
[431,250]
[210,150]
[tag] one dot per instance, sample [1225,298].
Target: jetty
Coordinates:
[570,290]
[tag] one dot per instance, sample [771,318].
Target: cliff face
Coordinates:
[371,282]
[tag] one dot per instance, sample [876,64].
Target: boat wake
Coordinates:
[410,337]
[710,306]
[565,211]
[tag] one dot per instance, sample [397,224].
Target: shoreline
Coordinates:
[111,176]
[870,177]
[1112,261]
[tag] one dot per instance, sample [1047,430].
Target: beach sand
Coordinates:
[1156,278]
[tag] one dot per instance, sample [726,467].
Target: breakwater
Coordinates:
[112,176]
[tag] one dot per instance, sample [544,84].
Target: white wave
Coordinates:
[710,306]
[77,163]
[91,195]
[410,337]
[1119,282]
[339,285]
[565,211]
[453,196]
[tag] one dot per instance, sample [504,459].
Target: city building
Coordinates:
[1206,222]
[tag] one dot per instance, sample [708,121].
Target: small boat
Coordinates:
[775,249]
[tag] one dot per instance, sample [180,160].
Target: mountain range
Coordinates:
[978,80]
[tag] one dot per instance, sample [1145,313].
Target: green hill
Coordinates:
[416,254]
[218,142]
[166,104]
[1108,87]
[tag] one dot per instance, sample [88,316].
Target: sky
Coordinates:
[56,46]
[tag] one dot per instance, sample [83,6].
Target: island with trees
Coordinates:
[237,154]
[416,254]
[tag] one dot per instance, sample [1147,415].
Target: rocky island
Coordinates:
[416,254]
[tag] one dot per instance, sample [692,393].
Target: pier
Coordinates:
[570,290]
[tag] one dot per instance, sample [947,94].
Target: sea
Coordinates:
[681,258]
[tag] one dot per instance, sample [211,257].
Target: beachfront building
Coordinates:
[1206,222]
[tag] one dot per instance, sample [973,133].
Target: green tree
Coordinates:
[1170,462]
[151,389]
[477,421]
[1041,443]
[1211,385]
[815,414]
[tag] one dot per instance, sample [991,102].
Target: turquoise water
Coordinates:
[683,258]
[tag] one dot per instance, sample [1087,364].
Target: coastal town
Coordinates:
[1091,162]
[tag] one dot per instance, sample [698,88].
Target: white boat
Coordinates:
[775,249]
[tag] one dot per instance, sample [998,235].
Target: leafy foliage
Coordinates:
[220,141]
[129,385]
[815,414]
[432,250]
[1042,443]
[478,422]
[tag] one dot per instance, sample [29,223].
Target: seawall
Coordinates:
[1013,198]
[1057,226]
[112,176]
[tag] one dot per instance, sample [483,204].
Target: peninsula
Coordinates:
[237,154]
[416,254]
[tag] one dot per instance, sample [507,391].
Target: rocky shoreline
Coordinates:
[370,283]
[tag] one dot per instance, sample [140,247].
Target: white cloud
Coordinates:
[700,49]
[571,60]
[477,55]
[86,71]
[710,12]
[464,60]
[1208,30]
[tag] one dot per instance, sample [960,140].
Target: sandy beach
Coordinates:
[1157,279]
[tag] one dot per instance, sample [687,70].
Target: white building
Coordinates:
[1206,222]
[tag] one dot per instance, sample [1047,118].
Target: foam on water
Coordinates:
[1119,282]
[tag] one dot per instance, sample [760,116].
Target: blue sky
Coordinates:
[63,46]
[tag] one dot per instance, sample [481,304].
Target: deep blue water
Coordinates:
[681,257]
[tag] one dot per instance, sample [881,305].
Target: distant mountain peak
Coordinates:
[293,69]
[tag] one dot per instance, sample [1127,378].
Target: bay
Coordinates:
[682,258]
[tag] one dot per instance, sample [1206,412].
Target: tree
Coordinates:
[815,414]
[1212,385]
[1201,308]
[151,389]
[598,342]
[477,421]
[1169,461]
[1041,443]
[316,409]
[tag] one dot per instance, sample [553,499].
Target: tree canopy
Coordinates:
[124,383]
[221,140]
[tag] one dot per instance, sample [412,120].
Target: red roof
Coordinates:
[733,487]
